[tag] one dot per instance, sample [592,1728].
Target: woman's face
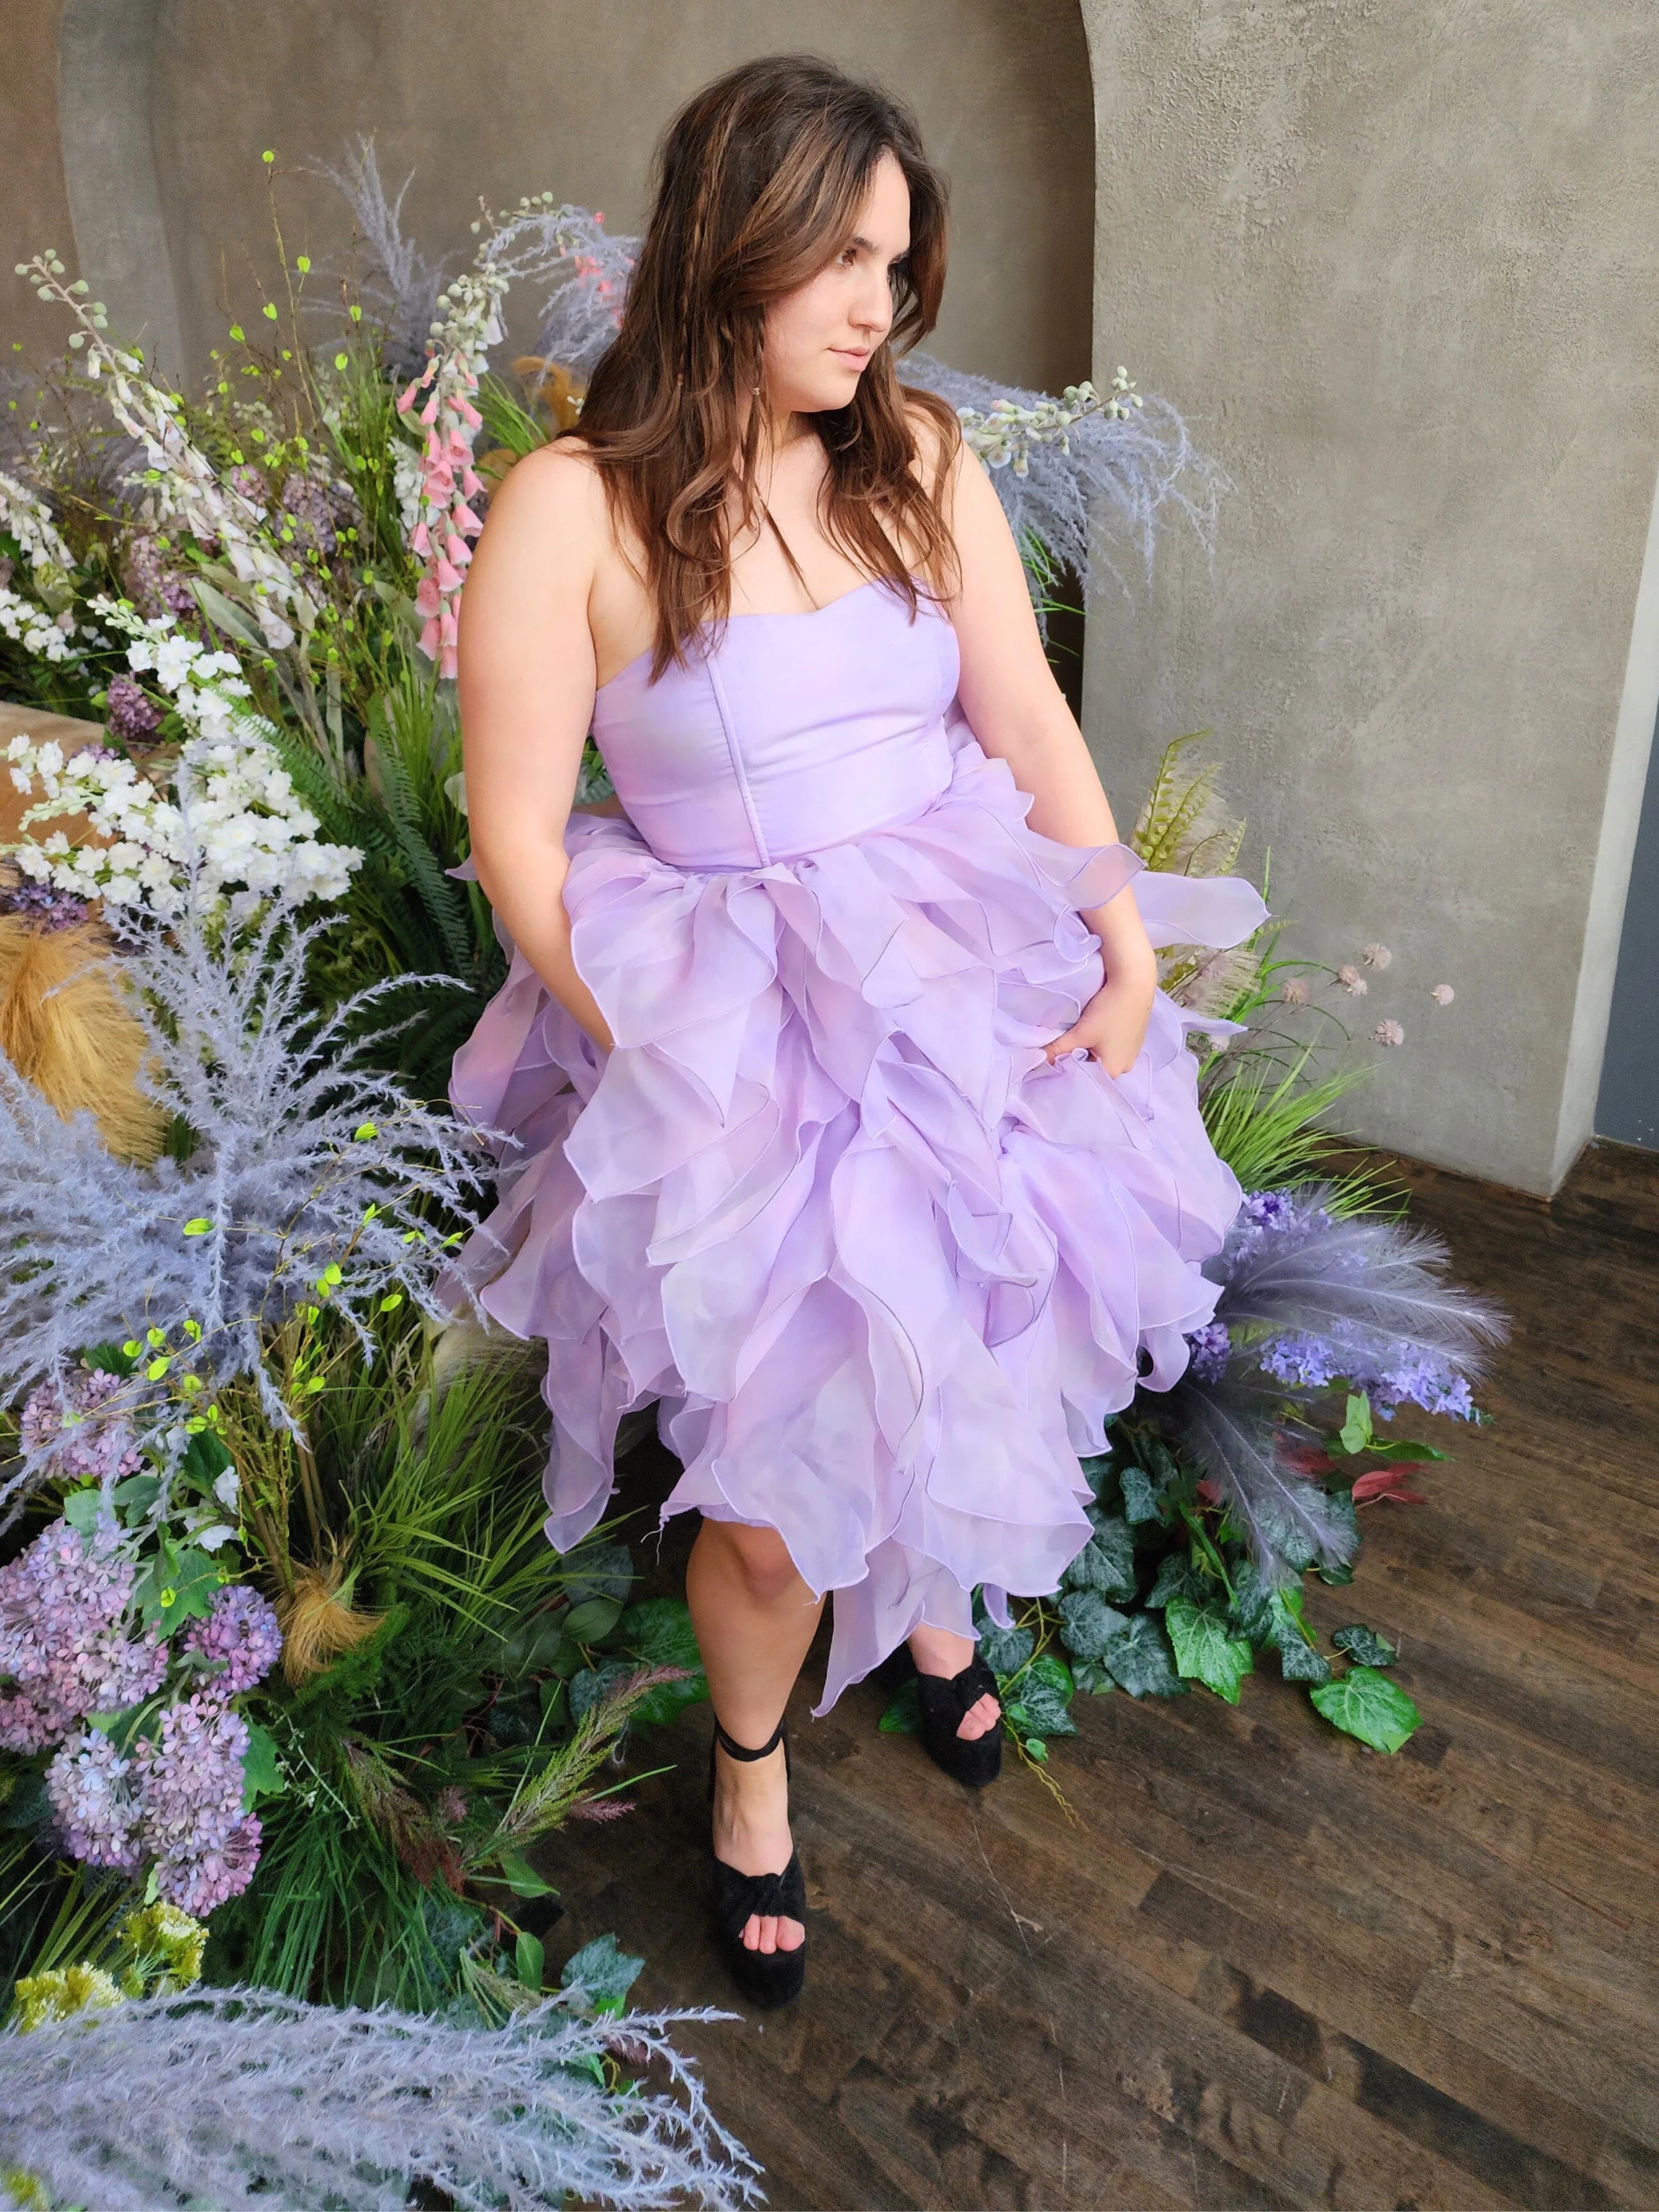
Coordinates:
[819,337]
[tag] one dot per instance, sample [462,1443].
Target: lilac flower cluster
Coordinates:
[1427,1379]
[130,712]
[241,1629]
[86,1446]
[45,905]
[155,585]
[94,1793]
[177,1799]
[1210,1346]
[63,1638]
[190,1817]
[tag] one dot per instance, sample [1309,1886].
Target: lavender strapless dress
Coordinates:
[885,1271]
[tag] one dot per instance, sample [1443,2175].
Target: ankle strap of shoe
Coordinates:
[733,1749]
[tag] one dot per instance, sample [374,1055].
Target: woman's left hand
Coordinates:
[1112,1027]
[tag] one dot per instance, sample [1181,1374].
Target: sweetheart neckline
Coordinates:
[758,614]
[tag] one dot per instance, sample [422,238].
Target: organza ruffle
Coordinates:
[887,1271]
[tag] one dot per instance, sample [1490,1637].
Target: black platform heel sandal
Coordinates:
[946,1701]
[766,1977]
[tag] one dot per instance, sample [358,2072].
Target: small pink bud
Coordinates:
[1295,992]
[1389,1033]
[1443,994]
[1376,955]
[1352,981]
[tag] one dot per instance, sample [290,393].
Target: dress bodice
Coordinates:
[790,732]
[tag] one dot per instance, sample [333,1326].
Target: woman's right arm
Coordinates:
[526,674]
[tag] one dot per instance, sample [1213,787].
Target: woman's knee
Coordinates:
[760,1557]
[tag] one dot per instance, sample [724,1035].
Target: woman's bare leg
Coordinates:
[936,1652]
[755,1618]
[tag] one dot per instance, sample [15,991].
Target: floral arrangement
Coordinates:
[294,1694]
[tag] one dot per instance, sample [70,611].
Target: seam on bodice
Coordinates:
[734,753]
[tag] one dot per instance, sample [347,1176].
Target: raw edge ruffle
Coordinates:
[887,1271]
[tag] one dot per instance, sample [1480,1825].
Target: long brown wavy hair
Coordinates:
[759,180]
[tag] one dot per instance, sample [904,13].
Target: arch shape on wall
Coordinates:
[105,53]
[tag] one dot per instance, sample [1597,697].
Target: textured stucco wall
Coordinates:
[33,208]
[1399,264]
[499,99]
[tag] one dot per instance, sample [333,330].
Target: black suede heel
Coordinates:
[945,1702]
[766,1977]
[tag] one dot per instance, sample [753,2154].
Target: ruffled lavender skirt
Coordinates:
[885,1271]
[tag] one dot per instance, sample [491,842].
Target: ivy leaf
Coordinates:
[1098,1473]
[590,1684]
[1288,1538]
[1140,1497]
[604,1974]
[1089,1622]
[1205,1651]
[1363,1645]
[262,1770]
[1300,1662]
[1140,1660]
[1045,1708]
[599,1570]
[1004,1650]
[1089,1675]
[1177,1578]
[1106,1561]
[1367,1704]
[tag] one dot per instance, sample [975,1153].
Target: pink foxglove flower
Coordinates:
[1352,981]
[1443,994]
[1389,1033]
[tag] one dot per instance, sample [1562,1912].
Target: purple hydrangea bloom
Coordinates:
[154,585]
[63,1639]
[68,1414]
[242,1631]
[43,903]
[191,1819]
[1210,1346]
[94,1795]
[130,712]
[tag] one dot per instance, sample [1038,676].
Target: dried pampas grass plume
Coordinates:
[318,1623]
[66,1027]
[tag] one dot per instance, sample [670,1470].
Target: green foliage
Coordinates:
[1165,1594]
[1367,1704]
[404,1786]
[1206,1649]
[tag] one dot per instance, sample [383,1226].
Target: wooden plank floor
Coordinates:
[1256,1964]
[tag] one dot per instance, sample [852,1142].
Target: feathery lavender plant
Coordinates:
[242,2096]
[1310,1295]
[311,1180]
[401,285]
[1105,473]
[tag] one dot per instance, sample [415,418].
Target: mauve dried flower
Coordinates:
[1389,1033]
[1352,981]
[1376,955]
[43,904]
[1294,992]
[1443,994]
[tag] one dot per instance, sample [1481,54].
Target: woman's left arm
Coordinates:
[1018,712]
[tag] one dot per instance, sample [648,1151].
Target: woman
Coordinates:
[849,1122]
